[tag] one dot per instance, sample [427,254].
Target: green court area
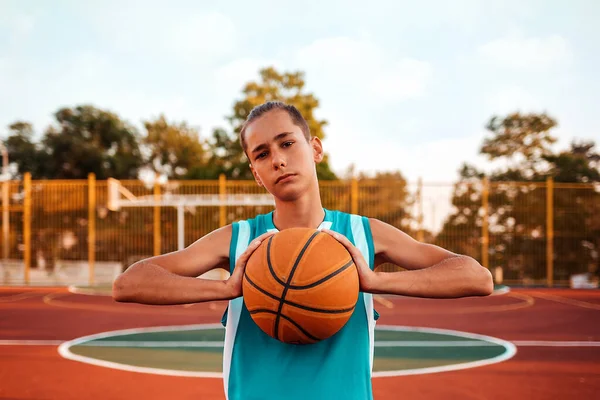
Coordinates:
[197,350]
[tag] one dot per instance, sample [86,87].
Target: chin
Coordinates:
[288,193]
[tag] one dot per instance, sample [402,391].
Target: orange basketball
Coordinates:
[300,286]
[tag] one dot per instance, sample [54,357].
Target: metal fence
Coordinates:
[67,232]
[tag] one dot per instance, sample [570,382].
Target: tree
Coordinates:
[87,139]
[527,134]
[228,155]
[517,210]
[23,151]
[580,164]
[461,231]
[175,149]
[83,140]
[385,196]
[576,209]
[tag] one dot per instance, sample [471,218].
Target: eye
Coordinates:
[287,144]
[261,155]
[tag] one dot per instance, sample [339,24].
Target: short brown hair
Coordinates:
[264,108]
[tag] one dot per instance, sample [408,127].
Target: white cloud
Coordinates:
[515,51]
[201,35]
[332,53]
[86,65]
[22,24]
[17,26]
[511,99]
[360,67]
[411,126]
[435,160]
[405,80]
[231,77]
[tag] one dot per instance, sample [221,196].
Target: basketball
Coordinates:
[300,286]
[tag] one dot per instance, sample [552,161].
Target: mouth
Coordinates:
[283,178]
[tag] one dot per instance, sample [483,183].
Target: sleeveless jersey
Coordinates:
[258,367]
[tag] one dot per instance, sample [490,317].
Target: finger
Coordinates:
[265,236]
[342,239]
[353,250]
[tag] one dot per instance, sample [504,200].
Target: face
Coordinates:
[281,159]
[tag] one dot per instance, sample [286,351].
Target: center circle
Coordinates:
[196,350]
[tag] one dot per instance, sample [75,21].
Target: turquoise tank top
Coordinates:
[258,367]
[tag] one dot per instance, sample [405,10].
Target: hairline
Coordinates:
[246,124]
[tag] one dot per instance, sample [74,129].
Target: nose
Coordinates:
[278,161]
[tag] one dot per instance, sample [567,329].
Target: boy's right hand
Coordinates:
[234,283]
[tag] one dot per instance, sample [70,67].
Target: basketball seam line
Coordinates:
[289,280]
[271,270]
[295,287]
[261,310]
[291,303]
[324,279]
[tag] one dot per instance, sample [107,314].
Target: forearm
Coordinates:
[151,284]
[454,277]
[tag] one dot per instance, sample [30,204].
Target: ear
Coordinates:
[256,177]
[317,147]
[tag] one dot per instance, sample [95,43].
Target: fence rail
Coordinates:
[67,232]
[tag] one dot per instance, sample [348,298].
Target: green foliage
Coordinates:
[580,164]
[23,151]
[527,135]
[84,140]
[289,87]
[517,211]
[87,139]
[175,149]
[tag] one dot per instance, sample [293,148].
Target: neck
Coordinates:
[305,212]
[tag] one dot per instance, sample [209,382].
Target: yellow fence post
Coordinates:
[485,239]
[354,196]
[550,231]
[91,227]
[420,237]
[157,241]
[27,224]
[5,219]
[222,197]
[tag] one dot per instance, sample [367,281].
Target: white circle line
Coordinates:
[207,343]
[64,351]
[510,351]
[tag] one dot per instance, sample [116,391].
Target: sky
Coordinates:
[405,86]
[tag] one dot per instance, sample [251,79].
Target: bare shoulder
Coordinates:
[209,252]
[396,246]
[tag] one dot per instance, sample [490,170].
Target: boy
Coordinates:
[283,156]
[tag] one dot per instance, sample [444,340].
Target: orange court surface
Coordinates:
[521,344]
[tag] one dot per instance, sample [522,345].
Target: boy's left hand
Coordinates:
[367,277]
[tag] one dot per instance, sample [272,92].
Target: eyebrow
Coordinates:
[263,146]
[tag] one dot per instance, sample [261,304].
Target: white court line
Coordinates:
[397,343]
[500,291]
[434,343]
[157,343]
[551,343]
[64,350]
[88,292]
[200,344]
